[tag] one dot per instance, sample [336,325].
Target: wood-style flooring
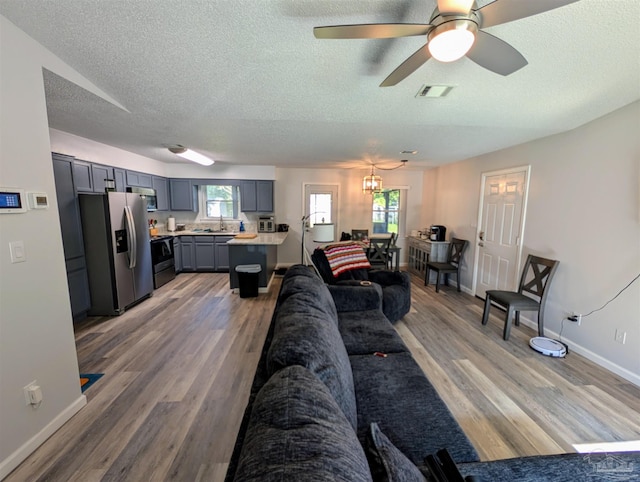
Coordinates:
[178,368]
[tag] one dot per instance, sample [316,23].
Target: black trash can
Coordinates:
[248,279]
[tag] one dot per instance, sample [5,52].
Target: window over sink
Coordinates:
[219,200]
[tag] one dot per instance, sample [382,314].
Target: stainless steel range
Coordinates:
[162,259]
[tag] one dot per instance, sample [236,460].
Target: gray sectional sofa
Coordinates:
[337,396]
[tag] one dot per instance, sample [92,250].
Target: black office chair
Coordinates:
[378,252]
[452,265]
[535,279]
[359,234]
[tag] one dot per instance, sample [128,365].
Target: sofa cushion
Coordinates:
[302,281]
[297,432]
[388,464]
[394,392]
[366,332]
[304,335]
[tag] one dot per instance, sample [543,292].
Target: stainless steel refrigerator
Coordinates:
[117,250]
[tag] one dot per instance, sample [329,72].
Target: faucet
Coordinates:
[221,224]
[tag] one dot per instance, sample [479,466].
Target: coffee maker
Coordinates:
[437,232]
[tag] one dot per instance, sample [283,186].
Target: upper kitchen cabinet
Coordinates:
[160,185]
[256,196]
[82,177]
[99,174]
[183,195]
[139,179]
[121,180]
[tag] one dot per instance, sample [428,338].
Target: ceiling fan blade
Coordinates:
[455,6]
[371,30]
[503,11]
[407,67]
[496,55]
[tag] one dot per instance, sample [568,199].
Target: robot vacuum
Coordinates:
[548,347]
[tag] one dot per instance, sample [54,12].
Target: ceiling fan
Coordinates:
[453,31]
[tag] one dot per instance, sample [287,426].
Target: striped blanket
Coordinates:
[345,257]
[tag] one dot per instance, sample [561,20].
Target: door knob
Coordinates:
[481,235]
[481,244]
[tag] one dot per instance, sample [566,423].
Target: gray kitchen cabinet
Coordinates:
[248,197]
[177,254]
[222,253]
[205,253]
[71,229]
[256,196]
[187,253]
[139,179]
[264,196]
[120,178]
[99,173]
[183,195]
[82,177]
[162,192]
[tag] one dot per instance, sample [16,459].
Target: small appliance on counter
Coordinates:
[438,232]
[283,228]
[266,224]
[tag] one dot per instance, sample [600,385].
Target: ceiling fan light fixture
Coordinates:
[450,41]
[192,156]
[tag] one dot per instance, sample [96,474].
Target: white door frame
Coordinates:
[476,257]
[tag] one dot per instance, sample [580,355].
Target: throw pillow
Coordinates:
[388,463]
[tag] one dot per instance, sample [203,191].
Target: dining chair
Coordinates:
[359,234]
[452,265]
[391,250]
[378,252]
[535,280]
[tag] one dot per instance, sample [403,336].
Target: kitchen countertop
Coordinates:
[261,239]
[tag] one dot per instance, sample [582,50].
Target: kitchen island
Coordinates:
[262,250]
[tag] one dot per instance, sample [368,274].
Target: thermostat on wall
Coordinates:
[38,200]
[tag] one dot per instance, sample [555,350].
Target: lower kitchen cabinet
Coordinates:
[187,253]
[78,281]
[205,253]
[177,254]
[222,253]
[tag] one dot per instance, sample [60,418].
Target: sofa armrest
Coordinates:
[355,296]
[386,277]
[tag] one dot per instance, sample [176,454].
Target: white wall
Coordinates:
[354,207]
[584,210]
[36,329]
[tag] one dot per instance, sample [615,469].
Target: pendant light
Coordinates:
[371,184]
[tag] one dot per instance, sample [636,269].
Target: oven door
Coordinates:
[161,250]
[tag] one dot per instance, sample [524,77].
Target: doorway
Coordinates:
[321,206]
[501,220]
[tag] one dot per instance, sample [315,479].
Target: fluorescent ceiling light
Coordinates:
[191,155]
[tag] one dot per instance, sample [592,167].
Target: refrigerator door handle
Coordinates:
[131,233]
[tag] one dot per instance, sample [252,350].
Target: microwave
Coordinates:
[148,194]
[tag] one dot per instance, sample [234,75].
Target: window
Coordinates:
[386,211]
[220,200]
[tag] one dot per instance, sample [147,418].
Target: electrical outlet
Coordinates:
[621,337]
[575,317]
[32,394]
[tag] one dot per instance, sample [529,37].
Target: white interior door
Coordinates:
[500,231]
[321,205]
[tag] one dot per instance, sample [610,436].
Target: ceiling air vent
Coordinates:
[434,91]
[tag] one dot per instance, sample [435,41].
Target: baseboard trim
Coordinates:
[17,457]
[585,352]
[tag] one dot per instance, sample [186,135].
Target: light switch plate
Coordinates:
[18,254]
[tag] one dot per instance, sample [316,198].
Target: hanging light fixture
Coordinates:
[372,183]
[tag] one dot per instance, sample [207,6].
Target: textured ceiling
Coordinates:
[246,82]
